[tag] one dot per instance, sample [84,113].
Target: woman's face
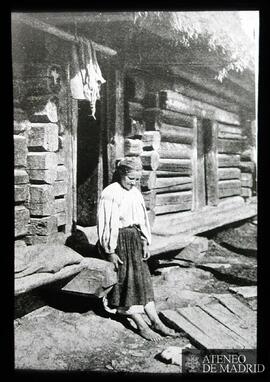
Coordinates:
[129,180]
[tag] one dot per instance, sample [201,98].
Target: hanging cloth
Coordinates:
[86,78]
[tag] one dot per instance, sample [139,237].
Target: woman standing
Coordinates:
[124,236]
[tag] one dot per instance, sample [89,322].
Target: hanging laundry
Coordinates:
[86,78]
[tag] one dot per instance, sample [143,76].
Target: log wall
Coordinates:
[42,180]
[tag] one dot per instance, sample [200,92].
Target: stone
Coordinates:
[41,160]
[61,172]
[20,243]
[22,217]
[20,151]
[201,243]
[20,176]
[60,188]
[43,226]
[43,136]
[20,193]
[60,205]
[45,176]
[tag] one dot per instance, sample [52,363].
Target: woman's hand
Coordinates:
[115,259]
[146,252]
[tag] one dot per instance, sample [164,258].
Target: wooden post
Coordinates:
[201,187]
[211,130]
[194,165]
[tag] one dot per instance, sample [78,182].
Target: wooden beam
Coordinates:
[150,160]
[173,184]
[211,162]
[225,160]
[182,166]
[132,147]
[229,173]
[44,27]
[200,165]
[148,180]
[229,146]
[151,140]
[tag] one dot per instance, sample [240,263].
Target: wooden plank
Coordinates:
[211,165]
[246,291]
[229,173]
[174,188]
[176,134]
[150,160]
[230,321]
[225,160]
[182,166]
[148,180]
[229,188]
[168,174]
[176,105]
[202,221]
[195,333]
[222,337]
[229,146]
[42,26]
[175,150]
[237,307]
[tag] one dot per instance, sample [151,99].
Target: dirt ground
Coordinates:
[72,333]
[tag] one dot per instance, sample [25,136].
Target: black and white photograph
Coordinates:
[135,191]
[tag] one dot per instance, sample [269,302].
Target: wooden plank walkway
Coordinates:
[225,324]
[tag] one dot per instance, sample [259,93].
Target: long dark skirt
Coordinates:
[134,285]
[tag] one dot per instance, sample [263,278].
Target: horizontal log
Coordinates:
[182,166]
[175,150]
[169,174]
[151,140]
[41,160]
[43,226]
[135,110]
[20,192]
[173,198]
[21,126]
[170,208]
[20,176]
[132,147]
[225,160]
[246,192]
[246,179]
[176,134]
[222,128]
[229,188]
[223,135]
[20,150]
[180,103]
[176,119]
[229,146]
[173,184]
[229,173]
[246,155]
[150,160]
[149,199]
[247,167]
[148,180]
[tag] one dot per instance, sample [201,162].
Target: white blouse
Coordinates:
[119,208]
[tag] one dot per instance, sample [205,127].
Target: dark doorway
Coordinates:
[88,154]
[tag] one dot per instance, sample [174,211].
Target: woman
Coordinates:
[124,237]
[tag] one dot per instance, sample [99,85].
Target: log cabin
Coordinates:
[161,103]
